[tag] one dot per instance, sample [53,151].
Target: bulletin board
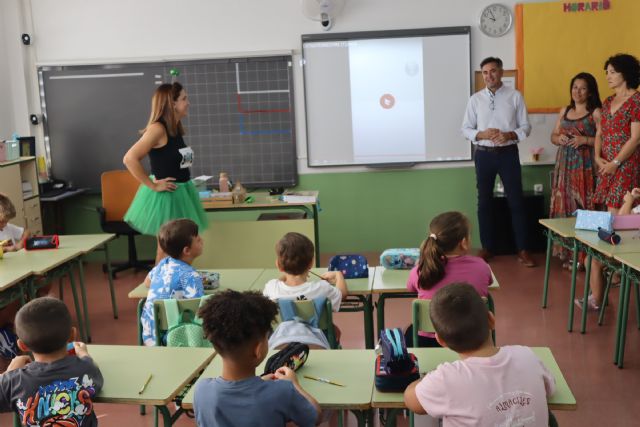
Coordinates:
[557,40]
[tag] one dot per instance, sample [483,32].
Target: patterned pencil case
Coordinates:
[593,220]
[210,279]
[400,258]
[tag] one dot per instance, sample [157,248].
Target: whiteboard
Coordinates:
[386,97]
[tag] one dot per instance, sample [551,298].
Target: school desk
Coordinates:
[250,243]
[389,283]
[359,298]
[125,370]
[430,358]
[630,273]
[352,368]
[14,282]
[45,266]
[605,253]
[560,231]
[238,279]
[49,264]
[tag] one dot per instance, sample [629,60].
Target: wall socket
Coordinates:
[538,188]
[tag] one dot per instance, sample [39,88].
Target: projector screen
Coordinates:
[386,97]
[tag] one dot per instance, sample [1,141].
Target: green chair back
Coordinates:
[422,321]
[305,310]
[160,314]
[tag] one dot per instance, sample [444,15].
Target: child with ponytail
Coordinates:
[444,260]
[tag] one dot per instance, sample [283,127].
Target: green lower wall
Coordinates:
[362,211]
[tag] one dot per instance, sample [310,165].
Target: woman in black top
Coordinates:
[168,193]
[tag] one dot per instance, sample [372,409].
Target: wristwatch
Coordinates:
[616,162]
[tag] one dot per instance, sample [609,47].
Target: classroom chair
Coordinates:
[306,310]
[118,190]
[422,321]
[160,314]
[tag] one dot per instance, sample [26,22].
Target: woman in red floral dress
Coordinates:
[574,173]
[616,153]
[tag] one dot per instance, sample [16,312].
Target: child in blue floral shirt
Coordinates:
[173,277]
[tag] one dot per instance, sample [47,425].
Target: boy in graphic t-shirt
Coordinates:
[55,388]
[488,386]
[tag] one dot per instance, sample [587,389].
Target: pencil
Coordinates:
[316,274]
[324,380]
[145,384]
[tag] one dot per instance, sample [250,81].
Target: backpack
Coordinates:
[395,368]
[293,356]
[184,329]
[351,266]
[294,329]
[8,343]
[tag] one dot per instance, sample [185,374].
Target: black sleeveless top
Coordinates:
[172,159]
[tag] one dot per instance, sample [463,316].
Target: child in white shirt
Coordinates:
[11,236]
[295,257]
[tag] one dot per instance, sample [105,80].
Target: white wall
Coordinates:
[92,31]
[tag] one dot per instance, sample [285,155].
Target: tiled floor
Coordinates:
[605,394]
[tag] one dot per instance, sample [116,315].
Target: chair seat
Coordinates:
[118,227]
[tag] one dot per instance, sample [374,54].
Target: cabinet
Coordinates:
[534,205]
[12,176]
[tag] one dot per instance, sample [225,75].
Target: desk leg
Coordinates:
[316,232]
[391,419]
[380,313]
[572,292]
[585,299]
[623,283]
[547,263]
[83,294]
[74,292]
[368,321]
[625,317]
[361,416]
[166,415]
[107,260]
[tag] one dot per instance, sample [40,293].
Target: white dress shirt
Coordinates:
[504,110]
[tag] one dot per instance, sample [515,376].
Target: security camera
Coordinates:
[326,21]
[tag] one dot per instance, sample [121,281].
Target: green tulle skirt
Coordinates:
[150,209]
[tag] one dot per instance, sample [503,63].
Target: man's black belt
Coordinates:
[497,148]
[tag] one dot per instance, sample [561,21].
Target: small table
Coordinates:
[127,368]
[430,358]
[352,368]
[56,201]
[359,291]
[391,283]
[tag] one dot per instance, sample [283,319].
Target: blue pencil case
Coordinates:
[593,220]
[400,258]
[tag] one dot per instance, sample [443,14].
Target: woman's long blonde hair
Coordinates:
[446,231]
[162,109]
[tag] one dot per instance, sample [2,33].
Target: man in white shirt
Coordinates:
[495,121]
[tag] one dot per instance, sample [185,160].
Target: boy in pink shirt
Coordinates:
[488,386]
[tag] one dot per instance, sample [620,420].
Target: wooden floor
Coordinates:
[604,393]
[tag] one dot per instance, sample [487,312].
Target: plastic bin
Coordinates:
[9,150]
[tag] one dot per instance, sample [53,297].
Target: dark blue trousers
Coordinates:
[505,162]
